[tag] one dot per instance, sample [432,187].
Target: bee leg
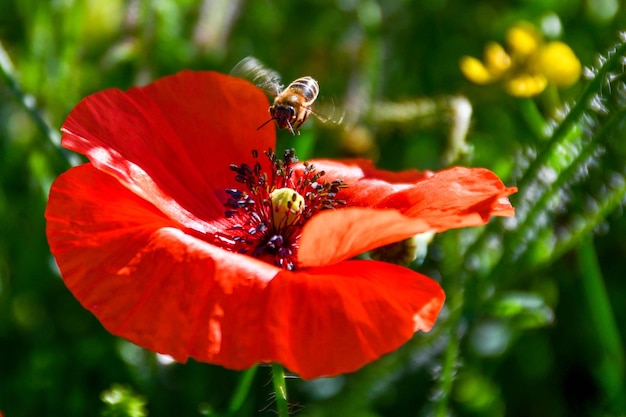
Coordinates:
[300,120]
[291,129]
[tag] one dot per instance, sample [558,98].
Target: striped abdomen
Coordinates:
[307,87]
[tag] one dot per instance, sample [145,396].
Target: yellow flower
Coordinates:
[497,60]
[559,64]
[525,85]
[475,71]
[523,39]
[526,66]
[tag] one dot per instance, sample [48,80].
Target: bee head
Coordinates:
[283,116]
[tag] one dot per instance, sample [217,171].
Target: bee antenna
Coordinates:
[293,132]
[259,128]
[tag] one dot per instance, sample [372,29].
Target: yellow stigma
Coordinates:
[287,206]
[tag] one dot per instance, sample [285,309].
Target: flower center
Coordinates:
[270,209]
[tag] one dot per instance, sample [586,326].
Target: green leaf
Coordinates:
[122,402]
[522,310]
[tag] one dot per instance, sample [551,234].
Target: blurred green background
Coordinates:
[535,316]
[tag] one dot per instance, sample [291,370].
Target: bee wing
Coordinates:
[328,112]
[253,70]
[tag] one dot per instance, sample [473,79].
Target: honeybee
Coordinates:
[292,105]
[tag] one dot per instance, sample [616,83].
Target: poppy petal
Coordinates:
[366,183]
[347,315]
[148,281]
[409,190]
[170,133]
[435,201]
[333,236]
[153,284]
[456,197]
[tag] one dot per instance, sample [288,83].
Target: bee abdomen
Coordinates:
[307,86]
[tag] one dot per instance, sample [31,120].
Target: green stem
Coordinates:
[455,285]
[278,377]
[551,100]
[449,369]
[606,205]
[533,118]
[28,103]
[242,391]
[563,128]
[610,370]
[526,221]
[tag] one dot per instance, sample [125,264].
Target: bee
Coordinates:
[292,105]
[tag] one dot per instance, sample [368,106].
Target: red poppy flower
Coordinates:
[175,237]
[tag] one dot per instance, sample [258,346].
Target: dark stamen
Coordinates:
[256,232]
